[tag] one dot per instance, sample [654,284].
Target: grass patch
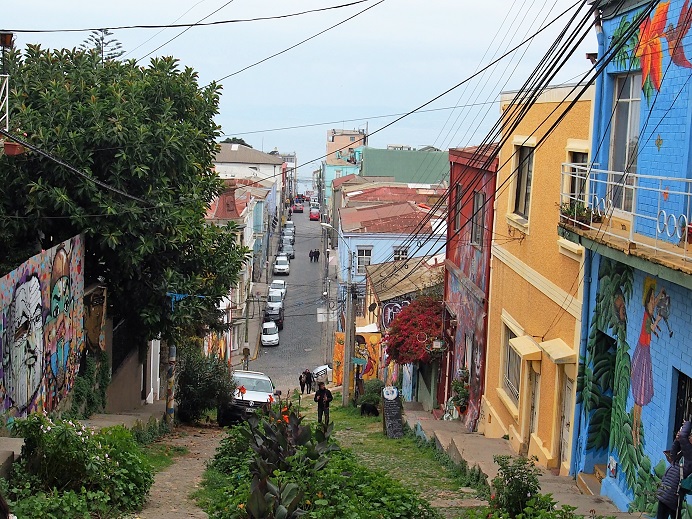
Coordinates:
[160,455]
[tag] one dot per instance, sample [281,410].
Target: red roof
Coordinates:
[394,218]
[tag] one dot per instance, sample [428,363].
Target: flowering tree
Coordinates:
[413,330]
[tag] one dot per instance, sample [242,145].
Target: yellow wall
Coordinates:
[533,278]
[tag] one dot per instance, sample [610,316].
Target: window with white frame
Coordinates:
[364,257]
[512,367]
[478,218]
[457,207]
[524,172]
[577,181]
[400,253]
[624,142]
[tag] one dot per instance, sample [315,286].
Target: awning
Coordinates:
[559,351]
[369,328]
[526,347]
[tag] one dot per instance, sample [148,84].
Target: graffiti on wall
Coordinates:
[367,347]
[41,328]
[94,319]
[389,311]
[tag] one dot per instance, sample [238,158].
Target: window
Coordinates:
[338,173]
[457,207]
[624,141]
[512,368]
[478,219]
[364,257]
[522,194]
[352,138]
[400,253]
[577,182]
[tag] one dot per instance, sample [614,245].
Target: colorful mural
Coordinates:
[614,387]
[367,347]
[645,46]
[41,328]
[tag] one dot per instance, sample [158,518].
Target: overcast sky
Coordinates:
[388,60]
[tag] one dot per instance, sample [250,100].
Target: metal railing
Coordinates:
[4,102]
[653,212]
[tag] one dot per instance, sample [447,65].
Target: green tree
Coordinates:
[101,42]
[235,140]
[141,140]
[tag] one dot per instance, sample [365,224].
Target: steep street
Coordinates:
[302,344]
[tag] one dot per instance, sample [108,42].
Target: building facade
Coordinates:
[467,274]
[534,316]
[635,384]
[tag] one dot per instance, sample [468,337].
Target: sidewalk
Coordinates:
[478,450]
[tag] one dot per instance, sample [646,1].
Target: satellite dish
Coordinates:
[372,307]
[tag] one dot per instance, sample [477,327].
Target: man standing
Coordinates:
[323,396]
[308,380]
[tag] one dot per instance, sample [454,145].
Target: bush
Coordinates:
[67,470]
[204,383]
[515,485]
[373,392]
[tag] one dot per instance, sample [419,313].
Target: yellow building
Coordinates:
[534,317]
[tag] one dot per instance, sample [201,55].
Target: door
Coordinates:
[566,424]
[535,398]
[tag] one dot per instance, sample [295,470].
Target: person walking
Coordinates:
[311,255]
[301,381]
[308,380]
[323,396]
[317,255]
[669,495]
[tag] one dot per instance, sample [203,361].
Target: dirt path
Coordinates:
[170,493]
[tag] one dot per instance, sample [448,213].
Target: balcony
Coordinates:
[641,215]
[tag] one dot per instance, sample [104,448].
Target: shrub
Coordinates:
[516,483]
[373,392]
[204,383]
[65,466]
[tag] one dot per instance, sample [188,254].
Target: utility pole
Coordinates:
[349,334]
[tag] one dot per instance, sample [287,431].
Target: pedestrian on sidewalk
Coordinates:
[308,380]
[317,255]
[323,396]
[669,495]
[312,255]
[301,380]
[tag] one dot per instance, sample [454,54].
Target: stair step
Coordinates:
[589,484]
[600,472]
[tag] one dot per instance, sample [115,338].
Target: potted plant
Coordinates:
[575,213]
[13,148]
[461,394]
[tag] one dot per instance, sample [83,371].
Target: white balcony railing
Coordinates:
[645,211]
[4,102]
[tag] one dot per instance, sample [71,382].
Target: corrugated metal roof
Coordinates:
[239,154]
[388,218]
[406,166]
[390,279]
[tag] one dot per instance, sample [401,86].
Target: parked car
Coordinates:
[275,299]
[270,334]
[280,285]
[322,373]
[314,214]
[297,208]
[276,315]
[254,390]
[290,225]
[289,238]
[289,251]
[281,266]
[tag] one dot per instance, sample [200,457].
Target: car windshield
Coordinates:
[274,298]
[270,330]
[254,384]
[276,285]
[281,261]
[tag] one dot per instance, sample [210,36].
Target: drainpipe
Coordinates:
[583,340]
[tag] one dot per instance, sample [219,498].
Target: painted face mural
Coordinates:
[23,345]
[59,324]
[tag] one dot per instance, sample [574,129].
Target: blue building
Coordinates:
[635,203]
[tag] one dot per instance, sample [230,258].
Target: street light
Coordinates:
[350,329]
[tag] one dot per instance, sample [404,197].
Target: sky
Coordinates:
[383,59]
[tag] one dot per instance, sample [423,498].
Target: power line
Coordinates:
[188,25]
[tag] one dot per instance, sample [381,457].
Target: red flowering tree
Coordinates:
[413,330]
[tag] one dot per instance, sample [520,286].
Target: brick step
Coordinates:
[589,484]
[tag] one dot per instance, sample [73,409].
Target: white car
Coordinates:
[270,334]
[280,285]
[282,266]
[322,373]
[275,299]
[254,390]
